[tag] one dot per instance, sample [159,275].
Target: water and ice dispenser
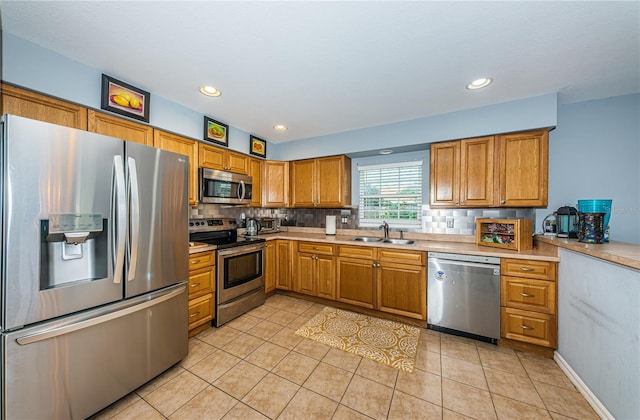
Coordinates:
[74,247]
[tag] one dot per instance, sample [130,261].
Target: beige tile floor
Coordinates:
[255,367]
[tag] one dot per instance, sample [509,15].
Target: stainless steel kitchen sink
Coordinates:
[399,241]
[366,239]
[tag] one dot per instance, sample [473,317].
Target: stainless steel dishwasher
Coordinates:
[463,295]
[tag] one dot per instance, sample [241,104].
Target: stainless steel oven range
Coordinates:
[239,266]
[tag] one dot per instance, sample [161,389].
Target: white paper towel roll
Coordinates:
[331,225]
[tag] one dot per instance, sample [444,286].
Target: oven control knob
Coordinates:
[190,223]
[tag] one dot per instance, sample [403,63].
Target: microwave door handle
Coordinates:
[241,190]
[118,218]
[134,226]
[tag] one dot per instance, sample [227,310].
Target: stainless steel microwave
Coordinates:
[220,187]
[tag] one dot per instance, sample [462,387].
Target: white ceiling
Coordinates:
[326,67]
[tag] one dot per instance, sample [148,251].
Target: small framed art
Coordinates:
[216,132]
[124,99]
[257,147]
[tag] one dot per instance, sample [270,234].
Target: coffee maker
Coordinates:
[567,222]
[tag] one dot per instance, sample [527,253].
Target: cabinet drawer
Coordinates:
[316,248]
[401,256]
[357,252]
[529,327]
[201,282]
[201,259]
[544,270]
[531,295]
[200,310]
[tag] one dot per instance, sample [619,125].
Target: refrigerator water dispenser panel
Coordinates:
[73,248]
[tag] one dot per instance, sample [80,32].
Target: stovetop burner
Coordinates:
[221,232]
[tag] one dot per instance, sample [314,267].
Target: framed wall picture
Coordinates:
[257,146]
[124,99]
[216,132]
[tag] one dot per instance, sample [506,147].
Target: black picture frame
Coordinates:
[124,99]
[216,132]
[257,146]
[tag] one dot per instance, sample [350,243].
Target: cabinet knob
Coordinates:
[462,202]
[502,201]
[455,202]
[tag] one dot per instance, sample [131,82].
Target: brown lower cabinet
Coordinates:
[315,270]
[528,300]
[384,279]
[202,275]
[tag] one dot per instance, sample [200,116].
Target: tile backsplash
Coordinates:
[433,220]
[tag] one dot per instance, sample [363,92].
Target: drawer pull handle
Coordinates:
[527,295]
[195,261]
[195,284]
[195,314]
[526,269]
[524,327]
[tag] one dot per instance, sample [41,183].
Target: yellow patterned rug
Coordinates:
[384,341]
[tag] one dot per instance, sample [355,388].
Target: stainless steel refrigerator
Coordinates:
[93,271]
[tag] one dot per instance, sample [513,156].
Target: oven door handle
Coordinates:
[239,250]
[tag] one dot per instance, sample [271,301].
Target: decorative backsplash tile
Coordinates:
[433,220]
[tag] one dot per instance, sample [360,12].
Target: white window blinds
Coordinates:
[391,192]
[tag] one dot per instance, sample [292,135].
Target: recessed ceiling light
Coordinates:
[385,152]
[280,127]
[480,83]
[209,90]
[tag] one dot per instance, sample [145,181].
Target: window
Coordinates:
[391,192]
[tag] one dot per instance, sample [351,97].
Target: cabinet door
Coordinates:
[238,163]
[276,184]
[37,106]
[270,266]
[444,174]
[120,128]
[333,181]
[185,146]
[476,172]
[304,278]
[303,183]
[356,282]
[283,270]
[255,170]
[402,290]
[524,159]
[325,277]
[211,157]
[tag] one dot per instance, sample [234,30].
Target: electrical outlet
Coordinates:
[449,222]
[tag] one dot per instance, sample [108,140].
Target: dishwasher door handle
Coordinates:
[465,264]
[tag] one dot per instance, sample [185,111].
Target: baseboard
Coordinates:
[595,403]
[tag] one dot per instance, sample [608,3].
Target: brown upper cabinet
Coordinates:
[255,171]
[185,146]
[121,128]
[223,160]
[497,171]
[275,183]
[321,182]
[524,169]
[462,173]
[36,106]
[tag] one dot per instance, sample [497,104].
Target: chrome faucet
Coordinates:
[385,226]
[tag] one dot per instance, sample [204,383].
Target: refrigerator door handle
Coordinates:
[56,332]
[134,223]
[118,218]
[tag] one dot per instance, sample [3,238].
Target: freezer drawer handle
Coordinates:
[55,332]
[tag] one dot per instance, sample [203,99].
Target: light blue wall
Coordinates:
[525,114]
[594,153]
